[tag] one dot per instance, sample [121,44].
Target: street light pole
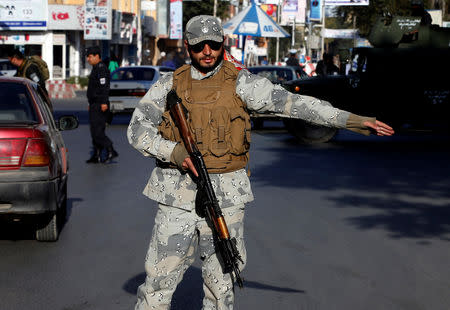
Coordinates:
[277,52]
[293,32]
[322,47]
[139,33]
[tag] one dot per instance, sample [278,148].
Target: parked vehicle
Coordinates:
[400,80]
[33,158]
[6,68]
[130,84]
[277,75]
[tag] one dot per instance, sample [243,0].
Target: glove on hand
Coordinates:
[179,154]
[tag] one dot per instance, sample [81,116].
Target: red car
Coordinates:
[33,158]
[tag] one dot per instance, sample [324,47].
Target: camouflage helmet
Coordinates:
[203,27]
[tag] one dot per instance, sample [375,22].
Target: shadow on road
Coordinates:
[189,293]
[24,229]
[70,203]
[404,181]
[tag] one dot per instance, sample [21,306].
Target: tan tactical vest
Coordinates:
[217,117]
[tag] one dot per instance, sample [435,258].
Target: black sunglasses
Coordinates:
[214,45]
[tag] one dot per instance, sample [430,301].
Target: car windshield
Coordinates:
[133,74]
[16,106]
[6,65]
[275,75]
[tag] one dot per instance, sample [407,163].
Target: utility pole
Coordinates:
[215,8]
[322,48]
[139,34]
[293,33]
[277,52]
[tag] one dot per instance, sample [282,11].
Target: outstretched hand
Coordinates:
[380,128]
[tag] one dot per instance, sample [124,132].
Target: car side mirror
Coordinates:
[67,122]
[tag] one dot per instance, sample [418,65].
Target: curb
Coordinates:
[59,89]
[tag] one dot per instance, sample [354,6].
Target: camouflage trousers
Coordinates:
[178,236]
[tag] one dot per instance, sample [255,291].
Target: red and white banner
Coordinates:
[65,17]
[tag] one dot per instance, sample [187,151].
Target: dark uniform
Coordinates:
[292,61]
[97,94]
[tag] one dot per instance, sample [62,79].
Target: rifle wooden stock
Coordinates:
[178,114]
[226,246]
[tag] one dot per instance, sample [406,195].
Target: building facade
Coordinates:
[57,31]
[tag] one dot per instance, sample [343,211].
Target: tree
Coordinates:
[365,16]
[205,7]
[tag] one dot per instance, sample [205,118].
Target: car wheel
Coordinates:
[48,228]
[307,133]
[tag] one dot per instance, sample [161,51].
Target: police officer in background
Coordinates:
[217,92]
[292,60]
[97,94]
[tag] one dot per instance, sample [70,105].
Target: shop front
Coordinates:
[66,24]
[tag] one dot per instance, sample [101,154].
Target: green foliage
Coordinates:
[204,7]
[82,81]
[367,15]
[285,45]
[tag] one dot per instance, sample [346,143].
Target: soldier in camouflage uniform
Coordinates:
[179,234]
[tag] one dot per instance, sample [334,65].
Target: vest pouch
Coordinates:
[220,131]
[199,119]
[240,132]
[167,126]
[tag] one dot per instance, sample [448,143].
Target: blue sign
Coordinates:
[316,10]
[23,24]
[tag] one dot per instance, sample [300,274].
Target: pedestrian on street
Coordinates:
[113,64]
[217,94]
[97,94]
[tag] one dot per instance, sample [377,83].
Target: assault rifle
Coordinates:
[206,202]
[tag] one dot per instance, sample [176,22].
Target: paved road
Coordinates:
[357,223]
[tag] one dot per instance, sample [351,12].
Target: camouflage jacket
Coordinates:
[171,186]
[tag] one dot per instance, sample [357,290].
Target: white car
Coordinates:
[130,84]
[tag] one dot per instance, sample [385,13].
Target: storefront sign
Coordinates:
[127,28]
[315,12]
[148,5]
[97,20]
[21,38]
[340,33]
[65,17]
[293,11]
[176,19]
[271,10]
[23,14]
